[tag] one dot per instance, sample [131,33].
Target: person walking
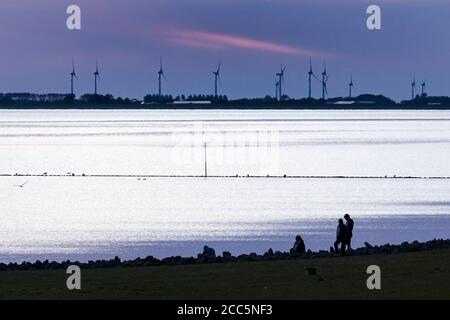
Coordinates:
[349,234]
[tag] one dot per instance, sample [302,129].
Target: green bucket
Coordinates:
[309,271]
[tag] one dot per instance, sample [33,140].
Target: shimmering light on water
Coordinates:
[89,218]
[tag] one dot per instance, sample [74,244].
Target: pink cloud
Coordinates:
[221,41]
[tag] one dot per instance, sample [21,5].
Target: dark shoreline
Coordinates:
[204,258]
[229,106]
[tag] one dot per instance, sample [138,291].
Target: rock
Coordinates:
[253,257]
[168,261]
[151,261]
[415,246]
[226,255]
[210,252]
[285,256]
[386,249]
[188,260]
[243,257]
[323,253]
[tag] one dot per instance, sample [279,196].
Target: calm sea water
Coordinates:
[97,217]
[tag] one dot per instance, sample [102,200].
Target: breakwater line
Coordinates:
[226,257]
[237,176]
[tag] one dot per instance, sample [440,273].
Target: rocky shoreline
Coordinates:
[209,256]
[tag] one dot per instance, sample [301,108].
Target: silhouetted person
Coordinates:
[349,225]
[299,246]
[341,237]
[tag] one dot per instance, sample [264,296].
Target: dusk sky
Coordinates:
[251,38]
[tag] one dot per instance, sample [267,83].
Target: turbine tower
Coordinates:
[350,86]
[160,76]
[310,75]
[73,76]
[423,87]
[216,77]
[413,88]
[324,82]
[96,76]
[276,88]
[280,76]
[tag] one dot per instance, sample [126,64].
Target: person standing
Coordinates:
[299,247]
[341,238]
[349,234]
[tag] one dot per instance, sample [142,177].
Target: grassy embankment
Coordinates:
[421,275]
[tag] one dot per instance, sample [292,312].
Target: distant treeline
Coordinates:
[31,99]
[154,98]
[364,101]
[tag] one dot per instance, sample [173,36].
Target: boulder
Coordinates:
[210,252]
[226,255]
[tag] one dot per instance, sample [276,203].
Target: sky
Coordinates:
[251,38]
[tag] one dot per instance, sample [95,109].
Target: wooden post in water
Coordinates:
[206,163]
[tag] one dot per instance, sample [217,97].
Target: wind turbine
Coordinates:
[324,82]
[160,76]
[280,76]
[72,76]
[413,88]
[276,88]
[310,75]
[350,86]
[96,76]
[423,87]
[216,77]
